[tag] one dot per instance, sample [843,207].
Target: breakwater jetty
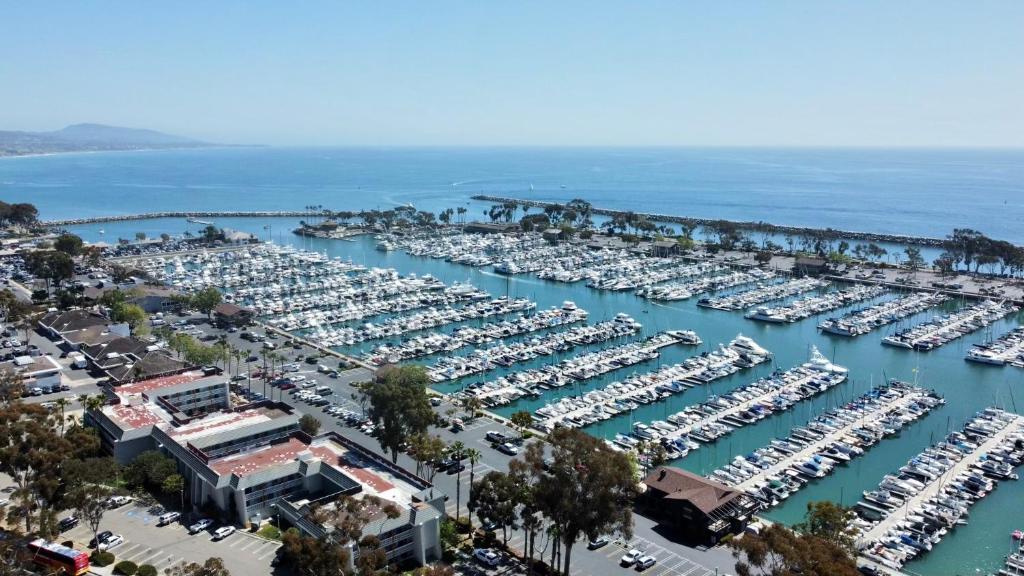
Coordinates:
[743,225]
[189,214]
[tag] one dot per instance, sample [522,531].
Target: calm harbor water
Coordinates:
[917,192]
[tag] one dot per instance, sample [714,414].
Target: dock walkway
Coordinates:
[933,488]
[817,446]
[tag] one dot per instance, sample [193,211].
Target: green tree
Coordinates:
[457,450]
[90,502]
[399,406]
[309,424]
[175,484]
[494,498]
[914,259]
[68,244]
[132,314]
[473,456]
[588,490]
[521,421]
[830,522]
[779,551]
[206,300]
[150,468]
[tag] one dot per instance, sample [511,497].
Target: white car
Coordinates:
[223,532]
[118,501]
[645,562]
[487,557]
[200,525]
[508,448]
[630,558]
[113,541]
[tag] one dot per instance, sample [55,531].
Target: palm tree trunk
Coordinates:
[458,492]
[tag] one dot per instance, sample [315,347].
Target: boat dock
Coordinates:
[813,447]
[863,321]
[1008,349]
[815,382]
[596,405]
[943,330]
[762,294]
[811,305]
[934,488]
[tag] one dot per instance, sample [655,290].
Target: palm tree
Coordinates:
[62,403]
[474,456]
[457,449]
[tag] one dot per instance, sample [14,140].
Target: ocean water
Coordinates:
[906,191]
[923,192]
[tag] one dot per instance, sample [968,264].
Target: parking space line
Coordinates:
[249,544]
[136,554]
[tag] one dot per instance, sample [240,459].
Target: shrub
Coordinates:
[270,532]
[126,568]
[146,570]
[462,525]
[68,543]
[99,558]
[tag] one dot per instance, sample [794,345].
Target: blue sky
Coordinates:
[767,73]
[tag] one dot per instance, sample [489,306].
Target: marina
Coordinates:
[1007,350]
[784,466]
[811,305]
[860,322]
[762,294]
[388,305]
[721,415]
[942,330]
[933,491]
[626,396]
[673,291]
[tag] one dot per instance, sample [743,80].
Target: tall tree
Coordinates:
[587,490]
[90,502]
[399,406]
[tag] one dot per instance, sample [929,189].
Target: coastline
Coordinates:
[745,225]
[150,149]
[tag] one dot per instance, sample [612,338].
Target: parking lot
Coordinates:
[164,546]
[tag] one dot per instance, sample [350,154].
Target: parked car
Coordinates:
[493,436]
[168,517]
[487,557]
[101,537]
[508,448]
[223,532]
[118,501]
[599,542]
[112,542]
[67,523]
[200,525]
[645,562]
[630,558]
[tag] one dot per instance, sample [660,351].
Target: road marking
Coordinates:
[136,554]
[147,559]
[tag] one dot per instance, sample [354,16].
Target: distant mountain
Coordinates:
[90,137]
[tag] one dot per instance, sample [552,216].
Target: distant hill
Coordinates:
[90,137]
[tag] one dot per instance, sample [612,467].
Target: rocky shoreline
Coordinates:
[758,226]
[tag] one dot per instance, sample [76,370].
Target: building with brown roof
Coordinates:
[698,509]
[229,314]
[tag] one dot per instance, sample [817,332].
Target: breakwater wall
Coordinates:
[743,225]
[190,214]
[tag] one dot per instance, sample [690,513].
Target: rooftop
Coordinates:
[676,484]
